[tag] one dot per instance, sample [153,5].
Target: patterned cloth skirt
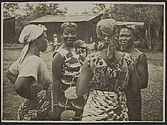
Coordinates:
[38,110]
[70,106]
[105,106]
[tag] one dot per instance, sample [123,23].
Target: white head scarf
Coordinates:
[29,34]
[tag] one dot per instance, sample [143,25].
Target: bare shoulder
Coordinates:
[141,55]
[142,59]
[57,57]
[61,52]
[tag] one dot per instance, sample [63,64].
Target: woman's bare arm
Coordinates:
[57,65]
[139,76]
[83,80]
[142,69]
[23,87]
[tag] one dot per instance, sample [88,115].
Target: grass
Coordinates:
[152,97]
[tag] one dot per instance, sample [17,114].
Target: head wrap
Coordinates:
[131,27]
[105,26]
[29,34]
[105,30]
[68,24]
[42,26]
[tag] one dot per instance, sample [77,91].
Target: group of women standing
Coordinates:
[91,88]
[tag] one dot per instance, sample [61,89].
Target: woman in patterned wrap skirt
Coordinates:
[66,66]
[30,75]
[105,75]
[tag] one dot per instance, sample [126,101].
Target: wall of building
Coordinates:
[9,30]
[86,29]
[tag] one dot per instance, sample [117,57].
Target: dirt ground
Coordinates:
[152,97]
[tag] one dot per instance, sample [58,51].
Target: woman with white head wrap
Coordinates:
[105,76]
[29,34]
[30,75]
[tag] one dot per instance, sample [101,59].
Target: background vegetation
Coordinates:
[152,15]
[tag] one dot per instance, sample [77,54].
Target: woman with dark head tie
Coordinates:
[66,66]
[105,76]
[134,101]
[31,76]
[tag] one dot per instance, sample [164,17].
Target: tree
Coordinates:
[29,12]
[9,9]
[151,15]
[99,8]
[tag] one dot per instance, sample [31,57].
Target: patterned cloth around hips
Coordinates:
[39,110]
[35,67]
[105,106]
[70,72]
[107,100]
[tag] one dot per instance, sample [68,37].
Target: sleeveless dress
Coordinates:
[134,101]
[35,67]
[68,100]
[107,100]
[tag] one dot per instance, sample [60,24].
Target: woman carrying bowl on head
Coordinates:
[127,44]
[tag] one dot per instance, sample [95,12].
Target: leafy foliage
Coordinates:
[9,9]
[131,12]
[151,15]
[28,12]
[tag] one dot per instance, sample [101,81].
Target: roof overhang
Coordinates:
[6,18]
[65,18]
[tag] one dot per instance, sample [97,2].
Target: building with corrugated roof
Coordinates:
[86,25]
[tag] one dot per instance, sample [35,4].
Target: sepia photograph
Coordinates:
[70,62]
